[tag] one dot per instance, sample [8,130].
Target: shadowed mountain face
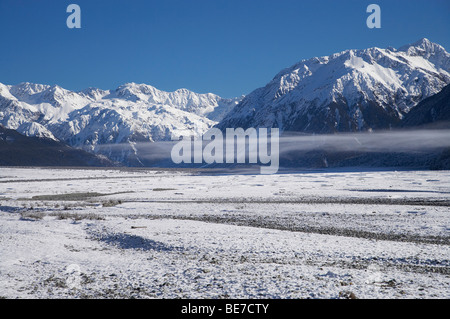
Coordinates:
[431,112]
[19,150]
[350,91]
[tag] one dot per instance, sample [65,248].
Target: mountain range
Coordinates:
[351,91]
[354,90]
[98,120]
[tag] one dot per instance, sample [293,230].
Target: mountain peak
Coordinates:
[135,92]
[423,47]
[27,88]
[94,93]
[423,41]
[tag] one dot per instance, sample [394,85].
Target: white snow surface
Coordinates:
[68,233]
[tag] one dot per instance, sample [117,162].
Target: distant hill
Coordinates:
[20,150]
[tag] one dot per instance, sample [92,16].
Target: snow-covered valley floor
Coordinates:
[82,233]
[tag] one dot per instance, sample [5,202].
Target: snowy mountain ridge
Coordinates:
[92,117]
[354,90]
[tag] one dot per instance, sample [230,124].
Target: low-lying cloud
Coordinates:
[407,141]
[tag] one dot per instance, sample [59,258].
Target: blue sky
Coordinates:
[226,47]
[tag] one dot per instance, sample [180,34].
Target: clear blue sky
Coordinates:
[228,47]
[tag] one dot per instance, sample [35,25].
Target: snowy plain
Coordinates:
[148,233]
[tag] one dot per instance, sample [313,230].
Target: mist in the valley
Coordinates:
[295,147]
[405,141]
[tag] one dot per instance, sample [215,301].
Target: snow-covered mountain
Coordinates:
[93,117]
[34,129]
[354,90]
